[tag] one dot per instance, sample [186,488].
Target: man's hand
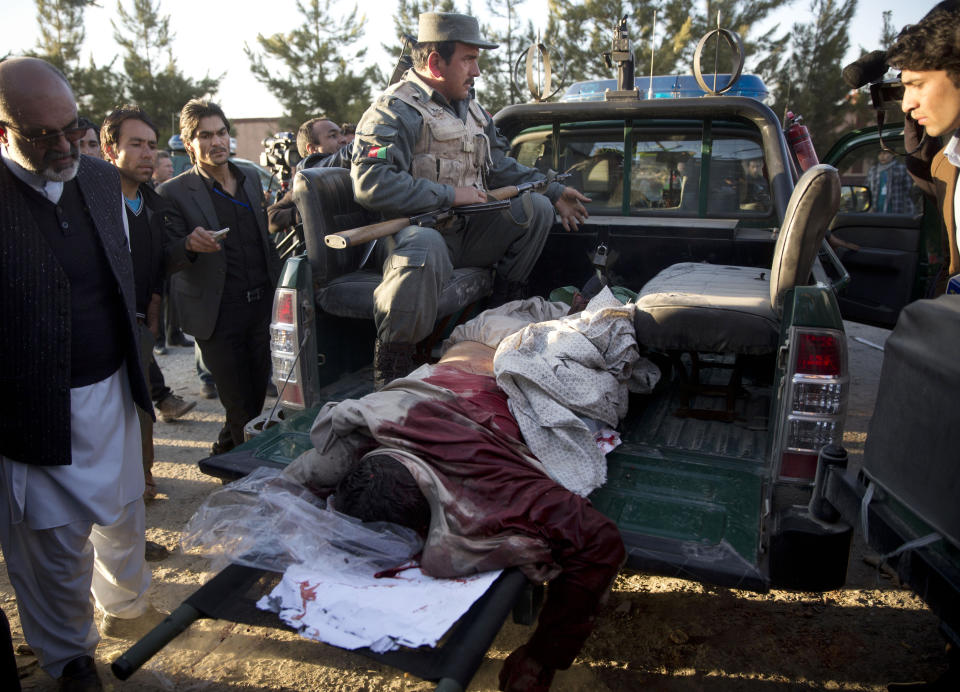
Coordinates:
[201,240]
[570,208]
[468,195]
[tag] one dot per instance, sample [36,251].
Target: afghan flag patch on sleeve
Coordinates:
[377,152]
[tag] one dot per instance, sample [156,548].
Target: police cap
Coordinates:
[449,26]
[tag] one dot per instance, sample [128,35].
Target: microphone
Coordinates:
[866,69]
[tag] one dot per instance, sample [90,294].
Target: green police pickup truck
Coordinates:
[730,471]
[697,207]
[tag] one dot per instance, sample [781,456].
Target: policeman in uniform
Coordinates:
[426,144]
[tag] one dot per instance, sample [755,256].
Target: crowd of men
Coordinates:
[90,248]
[95,235]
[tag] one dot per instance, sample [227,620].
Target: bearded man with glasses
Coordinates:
[71,481]
[43,149]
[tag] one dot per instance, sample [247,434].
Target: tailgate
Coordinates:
[688,496]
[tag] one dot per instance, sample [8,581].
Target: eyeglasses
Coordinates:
[47,138]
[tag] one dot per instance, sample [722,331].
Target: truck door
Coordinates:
[882,214]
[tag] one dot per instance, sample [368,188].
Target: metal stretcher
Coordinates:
[232,595]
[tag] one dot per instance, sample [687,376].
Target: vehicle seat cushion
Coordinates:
[813,204]
[351,295]
[324,197]
[710,308]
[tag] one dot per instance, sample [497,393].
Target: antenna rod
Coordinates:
[653,48]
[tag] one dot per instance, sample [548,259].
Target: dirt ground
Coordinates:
[654,634]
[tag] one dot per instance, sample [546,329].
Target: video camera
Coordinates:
[280,155]
[885,94]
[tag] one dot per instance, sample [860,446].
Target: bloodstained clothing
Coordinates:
[492,506]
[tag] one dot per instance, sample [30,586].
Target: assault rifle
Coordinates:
[364,234]
[500,200]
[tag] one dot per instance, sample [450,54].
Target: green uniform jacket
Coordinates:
[383,154]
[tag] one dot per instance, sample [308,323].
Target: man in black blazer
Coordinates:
[71,482]
[225,294]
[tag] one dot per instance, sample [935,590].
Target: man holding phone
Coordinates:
[225,294]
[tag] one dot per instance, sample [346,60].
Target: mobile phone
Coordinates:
[222,232]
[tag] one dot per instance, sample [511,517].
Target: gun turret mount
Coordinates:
[621,54]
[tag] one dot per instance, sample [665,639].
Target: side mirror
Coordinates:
[855,199]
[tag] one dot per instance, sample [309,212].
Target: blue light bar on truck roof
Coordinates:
[669,87]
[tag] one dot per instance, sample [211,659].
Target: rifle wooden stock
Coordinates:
[358,236]
[502,193]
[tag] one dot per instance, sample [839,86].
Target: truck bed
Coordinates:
[694,486]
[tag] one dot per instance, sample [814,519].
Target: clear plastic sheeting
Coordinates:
[268,522]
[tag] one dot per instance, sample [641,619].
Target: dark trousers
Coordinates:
[170,324]
[238,356]
[146,419]
[158,386]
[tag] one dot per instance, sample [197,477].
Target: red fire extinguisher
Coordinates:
[799,138]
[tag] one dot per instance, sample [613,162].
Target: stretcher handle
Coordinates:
[154,640]
[206,602]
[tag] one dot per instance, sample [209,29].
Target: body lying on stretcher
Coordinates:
[445,453]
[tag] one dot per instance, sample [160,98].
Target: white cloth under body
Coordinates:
[352,611]
[68,529]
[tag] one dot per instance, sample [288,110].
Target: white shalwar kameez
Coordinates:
[69,531]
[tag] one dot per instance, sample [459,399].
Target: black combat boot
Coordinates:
[390,361]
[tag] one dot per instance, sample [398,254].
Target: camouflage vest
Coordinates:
[448,151]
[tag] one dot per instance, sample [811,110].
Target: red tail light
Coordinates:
[815,400]
[818,354]
[285,349]
[284,308]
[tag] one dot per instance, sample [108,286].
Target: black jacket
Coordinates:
[35,317]
[157,259]
[198,288]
